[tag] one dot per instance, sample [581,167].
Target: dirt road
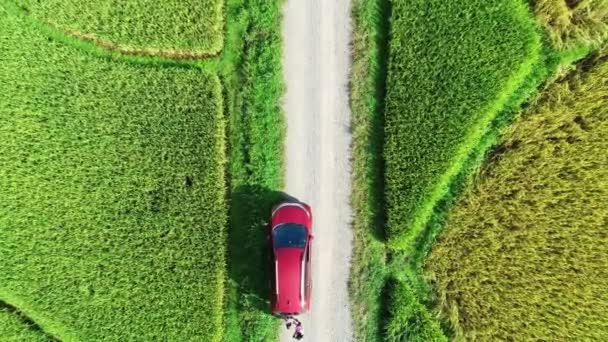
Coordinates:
[316,60]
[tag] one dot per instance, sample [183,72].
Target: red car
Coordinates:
[291,237]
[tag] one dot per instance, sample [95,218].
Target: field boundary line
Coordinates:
[54,331]
[88,46]
[26,320]
[129,50]
[177,54]
[405,241]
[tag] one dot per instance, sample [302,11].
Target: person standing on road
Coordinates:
[287,319]
[299,333]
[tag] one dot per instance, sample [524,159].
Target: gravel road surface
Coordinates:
[316,60]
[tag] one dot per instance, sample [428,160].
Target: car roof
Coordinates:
[289,282]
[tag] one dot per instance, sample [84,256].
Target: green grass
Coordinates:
[250,72]
[368,269]
[572,23]
[113,195]
[256,135]
[177,29]
[451,71]
[390,299]
[523,253]
[14,329]
[372,263]
[410,320]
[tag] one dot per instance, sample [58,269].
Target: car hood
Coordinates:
[288,273]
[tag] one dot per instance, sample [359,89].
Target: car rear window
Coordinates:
[289,236]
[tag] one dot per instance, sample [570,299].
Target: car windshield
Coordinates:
[289,236]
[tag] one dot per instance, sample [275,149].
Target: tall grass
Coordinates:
[410,321]
[571,23]
[452,69]
[170,28]
[112,193]
[250,72]
[368,270]
[256,136]
[521,257]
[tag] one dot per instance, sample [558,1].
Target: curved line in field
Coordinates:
[89,46]
[117,47]
[130,50]
[26,320]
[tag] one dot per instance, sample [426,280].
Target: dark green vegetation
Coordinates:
[410,320]
[452,69]
[169,27]
[368,266]
[523,256]
[138,176]
[256,136]
[14,329]
[570,23]
[112,193]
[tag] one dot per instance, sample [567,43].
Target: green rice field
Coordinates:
[174,28]
[455,80]
[120,174]
[113,196]
[447,80]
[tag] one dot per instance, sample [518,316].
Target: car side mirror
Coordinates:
[311,237]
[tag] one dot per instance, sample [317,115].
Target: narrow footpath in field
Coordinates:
[316,61]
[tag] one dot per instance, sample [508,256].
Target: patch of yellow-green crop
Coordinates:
[570,23]
[523,255]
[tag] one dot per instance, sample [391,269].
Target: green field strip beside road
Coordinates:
[113,193]
[368,270]
[170,28]
[249,68]
[452,69]
[409,319]
[256,131]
